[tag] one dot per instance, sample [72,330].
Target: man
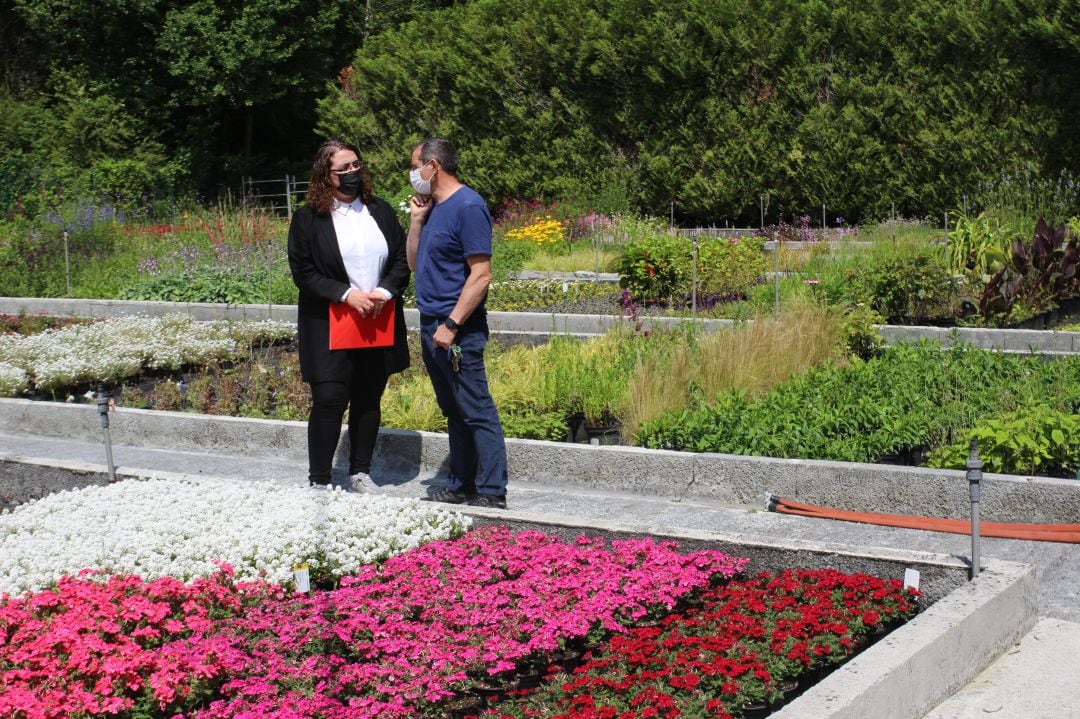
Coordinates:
[449,249]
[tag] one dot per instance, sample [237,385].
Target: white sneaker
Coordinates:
[362,482]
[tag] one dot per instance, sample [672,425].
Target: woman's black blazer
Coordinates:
[319,274]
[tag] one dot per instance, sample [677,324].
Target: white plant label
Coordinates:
[301,578]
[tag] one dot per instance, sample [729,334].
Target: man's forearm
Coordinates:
[412,244]
[472,294]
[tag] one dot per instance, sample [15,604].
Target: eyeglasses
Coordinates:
[354,165]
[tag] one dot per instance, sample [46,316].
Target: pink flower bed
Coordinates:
[392,641]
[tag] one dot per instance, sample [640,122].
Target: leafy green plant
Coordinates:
[534,425]
[1039,274]
[509,257]
[589,378]
[654,268]
[859,333]
[979,244]
[662,267]
[1036,440]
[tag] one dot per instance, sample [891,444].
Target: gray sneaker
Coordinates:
[362,482]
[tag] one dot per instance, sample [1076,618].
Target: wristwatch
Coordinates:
[451,324]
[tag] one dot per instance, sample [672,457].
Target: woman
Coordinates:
[345,245]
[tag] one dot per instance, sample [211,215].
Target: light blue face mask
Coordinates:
[422,186]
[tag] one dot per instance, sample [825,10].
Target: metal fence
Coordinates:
[281,195]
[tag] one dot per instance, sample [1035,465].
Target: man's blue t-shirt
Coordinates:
[456,228]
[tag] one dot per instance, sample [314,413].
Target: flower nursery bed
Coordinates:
[524,616]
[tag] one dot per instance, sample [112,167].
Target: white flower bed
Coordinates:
[118,348]
[12,380]
[156,528]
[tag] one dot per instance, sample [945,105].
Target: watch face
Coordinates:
[450,323]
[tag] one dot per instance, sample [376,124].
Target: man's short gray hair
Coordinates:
[437,148]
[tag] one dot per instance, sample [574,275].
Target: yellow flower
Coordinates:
[542,232]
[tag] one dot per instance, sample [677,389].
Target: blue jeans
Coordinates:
[477,446]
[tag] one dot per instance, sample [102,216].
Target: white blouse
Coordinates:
[362,244]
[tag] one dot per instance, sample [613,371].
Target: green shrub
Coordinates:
[662,267]
[509,257]
[904,289]
[534,425]
[860,336]
[730,266]
[1035,440]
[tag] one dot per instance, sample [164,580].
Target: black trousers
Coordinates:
[361,394]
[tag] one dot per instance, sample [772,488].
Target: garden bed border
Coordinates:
[729,480]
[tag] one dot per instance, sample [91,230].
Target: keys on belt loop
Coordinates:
[455,357]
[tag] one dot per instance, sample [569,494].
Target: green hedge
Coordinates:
[791,105]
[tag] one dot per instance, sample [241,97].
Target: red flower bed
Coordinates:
[742,646]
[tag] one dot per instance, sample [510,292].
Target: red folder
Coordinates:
[348,330]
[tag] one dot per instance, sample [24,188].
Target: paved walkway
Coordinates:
[1035,680]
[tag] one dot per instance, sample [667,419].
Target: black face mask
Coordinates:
[349,183]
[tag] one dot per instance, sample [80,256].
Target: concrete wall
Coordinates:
[1021,341]
[727,479]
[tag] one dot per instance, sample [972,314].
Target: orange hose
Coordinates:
[1068,528]
[1038,532]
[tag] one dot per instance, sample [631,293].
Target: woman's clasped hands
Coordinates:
[368,304]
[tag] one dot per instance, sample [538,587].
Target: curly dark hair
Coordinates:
[320,194]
